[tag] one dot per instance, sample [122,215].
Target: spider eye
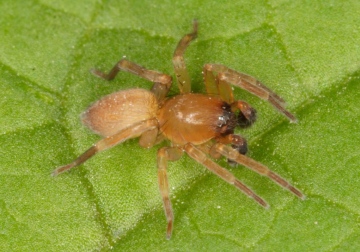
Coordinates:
[246,118]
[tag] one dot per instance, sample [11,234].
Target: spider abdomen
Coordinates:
[195,118]
[119,110]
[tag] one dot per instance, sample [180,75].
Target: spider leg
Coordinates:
[259,168]
[208,147]
[162,82]
[164,155]
[149,138]
[227,176]
[216,86]
[181,72]
[108,142]
[251,85]
[210,82]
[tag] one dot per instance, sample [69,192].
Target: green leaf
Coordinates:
[306,51]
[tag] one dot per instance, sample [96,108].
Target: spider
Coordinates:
[202,125]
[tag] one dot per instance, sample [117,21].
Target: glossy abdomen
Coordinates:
[191,118]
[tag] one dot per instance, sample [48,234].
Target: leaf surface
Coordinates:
[308,52]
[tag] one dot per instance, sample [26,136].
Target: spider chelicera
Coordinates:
[202,125]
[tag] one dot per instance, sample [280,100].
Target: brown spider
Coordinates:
[201,125]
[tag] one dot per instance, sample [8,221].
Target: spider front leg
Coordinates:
[217,87]
[259,168]
[108,142]
[166,154]
[251,85]
[162,82]
[181,72]
[227,176]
